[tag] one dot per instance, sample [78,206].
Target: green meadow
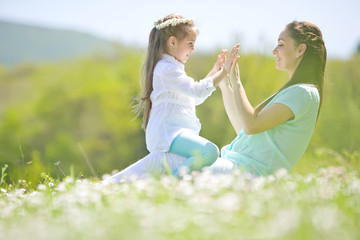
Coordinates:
[65,124]
[66,112]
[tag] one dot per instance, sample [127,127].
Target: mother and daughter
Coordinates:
[273,135]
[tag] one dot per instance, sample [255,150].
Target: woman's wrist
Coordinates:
[236,84]
[235,81]
[225,85]
[222,86]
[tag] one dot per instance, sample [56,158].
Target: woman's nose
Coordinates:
[274,51]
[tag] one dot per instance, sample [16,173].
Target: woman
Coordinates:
[276,133]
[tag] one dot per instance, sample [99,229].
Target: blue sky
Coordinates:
[256,24]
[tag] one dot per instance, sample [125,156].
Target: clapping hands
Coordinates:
[231,68]
[223,65]
[233,56]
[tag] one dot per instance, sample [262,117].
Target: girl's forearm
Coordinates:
[211,73]
[218,77]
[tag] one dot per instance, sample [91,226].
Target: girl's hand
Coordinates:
[219,63]
[219,76]
[232,57]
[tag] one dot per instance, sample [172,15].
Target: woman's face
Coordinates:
[287,53]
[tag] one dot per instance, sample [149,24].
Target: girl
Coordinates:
[169,100]
[276,133]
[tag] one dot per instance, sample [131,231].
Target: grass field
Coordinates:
[57,119]
[320,205]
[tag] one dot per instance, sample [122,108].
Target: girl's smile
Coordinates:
[182,49]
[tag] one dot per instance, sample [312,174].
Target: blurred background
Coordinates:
[69,71]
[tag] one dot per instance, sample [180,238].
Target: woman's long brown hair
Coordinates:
[312,66]
[156,48]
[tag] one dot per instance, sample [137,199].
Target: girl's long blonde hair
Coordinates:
[156,48]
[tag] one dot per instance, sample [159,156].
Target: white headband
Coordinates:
[172,22]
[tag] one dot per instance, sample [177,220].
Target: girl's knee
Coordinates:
[211,153]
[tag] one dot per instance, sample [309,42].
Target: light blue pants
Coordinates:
[199,152]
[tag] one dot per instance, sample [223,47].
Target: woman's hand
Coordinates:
[225,83]
[234,75]
[231,59]
[235,72]
[219,76]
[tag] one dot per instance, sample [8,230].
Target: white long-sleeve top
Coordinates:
[174,98]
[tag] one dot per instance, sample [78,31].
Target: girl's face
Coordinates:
[181,49]
[287,53]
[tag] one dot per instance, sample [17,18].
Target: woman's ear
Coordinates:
[301,50]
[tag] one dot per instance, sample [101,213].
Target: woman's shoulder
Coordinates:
[302,88]
[305,86]
[302,94]
[300,98]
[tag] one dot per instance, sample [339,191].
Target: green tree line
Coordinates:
[77,114]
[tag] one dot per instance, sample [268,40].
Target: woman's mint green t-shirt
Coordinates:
[283,145]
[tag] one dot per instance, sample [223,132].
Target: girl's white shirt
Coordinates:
[174,98]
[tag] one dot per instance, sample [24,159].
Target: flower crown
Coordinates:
[173,22]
